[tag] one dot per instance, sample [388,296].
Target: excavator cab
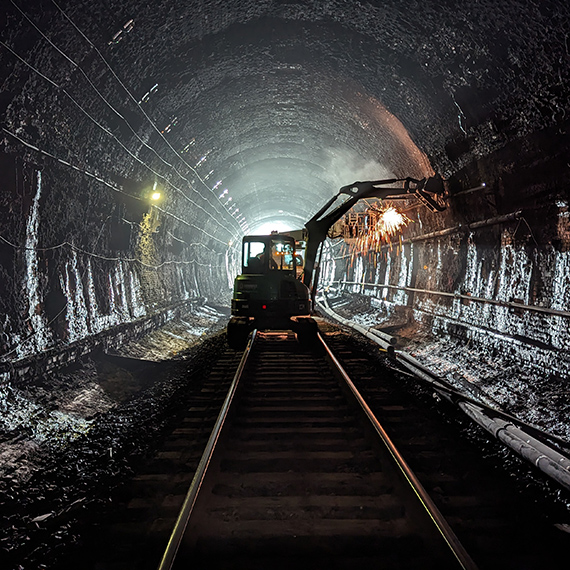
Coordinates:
[268,294]
[262,254]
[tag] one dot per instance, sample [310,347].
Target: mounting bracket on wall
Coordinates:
[430,192]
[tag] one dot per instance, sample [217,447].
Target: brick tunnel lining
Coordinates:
[280,104]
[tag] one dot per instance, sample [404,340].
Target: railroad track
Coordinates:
[302,475]
[505,511]
[296,477]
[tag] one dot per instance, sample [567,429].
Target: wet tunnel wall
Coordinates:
[249,115]
[490,272]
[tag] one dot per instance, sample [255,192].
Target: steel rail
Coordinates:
[441,524]
[523,438]
[179,529]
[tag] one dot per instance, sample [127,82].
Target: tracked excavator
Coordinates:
[280,272]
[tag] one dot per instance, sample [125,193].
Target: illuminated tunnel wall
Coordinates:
[247,115]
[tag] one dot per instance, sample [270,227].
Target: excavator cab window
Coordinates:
[282,254]
[269,253]
[254,256]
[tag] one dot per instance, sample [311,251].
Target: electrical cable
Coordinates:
[134,99]
[109,133]
[110,185]
[106,258]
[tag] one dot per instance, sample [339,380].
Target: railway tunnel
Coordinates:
[141,141]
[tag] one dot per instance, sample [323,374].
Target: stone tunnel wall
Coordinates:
[496,277]
[81,250]
[78,258]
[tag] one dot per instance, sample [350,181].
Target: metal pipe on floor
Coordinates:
[548,460]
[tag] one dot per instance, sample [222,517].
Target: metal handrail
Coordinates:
[441,524]
[190,499]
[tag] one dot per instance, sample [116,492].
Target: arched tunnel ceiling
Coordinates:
[287,101]
[244,114]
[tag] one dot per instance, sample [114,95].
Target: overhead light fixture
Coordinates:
[155,194]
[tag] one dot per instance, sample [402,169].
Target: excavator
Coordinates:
[278,283]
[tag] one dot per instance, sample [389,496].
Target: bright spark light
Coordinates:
[392,220]
[382,224]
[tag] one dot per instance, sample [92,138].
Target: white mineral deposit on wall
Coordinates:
[41,336]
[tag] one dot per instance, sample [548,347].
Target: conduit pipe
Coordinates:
[461,227]
[513,216]
[548,460]
[386,341]
[552,463]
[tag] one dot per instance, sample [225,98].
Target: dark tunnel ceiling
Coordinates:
[288,101]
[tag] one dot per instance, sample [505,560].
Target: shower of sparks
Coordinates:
[391,221]
[374,228]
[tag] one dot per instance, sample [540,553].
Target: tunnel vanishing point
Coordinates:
[141,140]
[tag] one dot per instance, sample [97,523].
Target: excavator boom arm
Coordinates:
[318,226]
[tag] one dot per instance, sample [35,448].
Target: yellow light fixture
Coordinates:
[155,196]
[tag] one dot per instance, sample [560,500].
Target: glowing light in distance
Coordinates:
[155,196]
[268,227]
